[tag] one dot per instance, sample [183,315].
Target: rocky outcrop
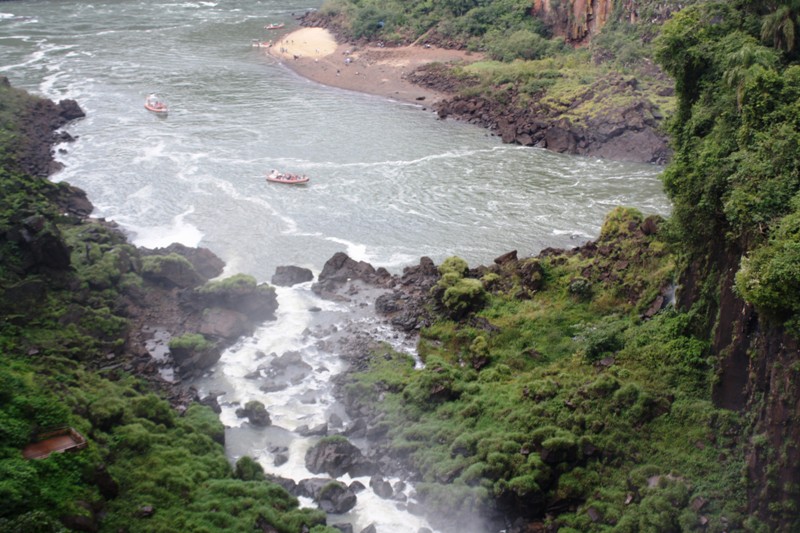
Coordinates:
[43,118]
[758,363]
[404,305]
[340,269]
[255,412]
[591,124]
[577,21]
[332,496]
[337,456]
[286,276]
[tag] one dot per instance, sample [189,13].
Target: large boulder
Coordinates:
[336,498]
[205,262]
[340,269]
[255,412]
[337,456]
[224,323]
[192,353]
[170,270]
[332,496]
[286,276]
[258,302]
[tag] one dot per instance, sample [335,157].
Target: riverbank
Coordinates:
[315,54]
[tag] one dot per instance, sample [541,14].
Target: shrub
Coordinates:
[190,342]
[153,408]
[248,469]
[522,44]
[235,283]
[465,296]
[454,264]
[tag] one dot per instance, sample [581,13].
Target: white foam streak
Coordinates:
[179,231]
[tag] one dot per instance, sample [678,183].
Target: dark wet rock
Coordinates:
[381,487]
[287,369]
[337,456]
[370,529]
[171,271]
[340,269]
[280,459]
[42,245]
[405,305]
[256,302]
[255,412]
[356,486]
[203,260]
[289,485]
[286,276]
[224,323]
[626,128]
[191,360]
[336,497]
[332,496]
[335,421]
[357,429]
[318,430]
[506,258]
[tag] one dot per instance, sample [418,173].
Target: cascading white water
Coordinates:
[389,182]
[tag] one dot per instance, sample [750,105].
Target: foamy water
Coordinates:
[389,182]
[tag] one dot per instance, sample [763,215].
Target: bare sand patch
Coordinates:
[314,54]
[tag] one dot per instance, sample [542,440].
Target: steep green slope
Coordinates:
[550,395]
[565,395]
[64,362]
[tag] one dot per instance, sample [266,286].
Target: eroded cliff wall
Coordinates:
[578,20]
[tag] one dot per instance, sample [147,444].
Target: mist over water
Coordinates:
[389,181]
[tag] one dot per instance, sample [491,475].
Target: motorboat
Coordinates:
[287,177]
[156,104]
[275,26]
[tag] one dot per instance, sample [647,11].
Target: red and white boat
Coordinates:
[287,177]
[156,104]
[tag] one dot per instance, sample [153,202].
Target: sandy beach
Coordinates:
[314,54]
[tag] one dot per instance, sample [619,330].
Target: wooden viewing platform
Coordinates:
[54,441]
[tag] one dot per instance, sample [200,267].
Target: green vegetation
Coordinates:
[736,177]
[63,283]
[190,342]
[525,63]
[565,391]
[566,399]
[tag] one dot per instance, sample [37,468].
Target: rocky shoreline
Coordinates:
[623,126]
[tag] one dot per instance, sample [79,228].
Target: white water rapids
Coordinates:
[389,182]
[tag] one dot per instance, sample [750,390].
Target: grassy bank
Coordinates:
[562,403]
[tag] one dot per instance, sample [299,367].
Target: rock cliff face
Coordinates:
[759,371]
[579,20]
[575,20]
[758,368]
[626,127]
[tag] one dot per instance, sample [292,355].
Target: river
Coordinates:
[390,182]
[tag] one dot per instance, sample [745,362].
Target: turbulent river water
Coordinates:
[389,181]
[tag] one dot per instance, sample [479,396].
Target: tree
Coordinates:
[779,27]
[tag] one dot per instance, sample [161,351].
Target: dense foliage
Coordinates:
[567,400]
[570,403]
[736,176]
[62,363]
